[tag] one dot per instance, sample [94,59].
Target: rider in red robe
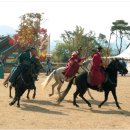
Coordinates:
[73,64]
[97,74]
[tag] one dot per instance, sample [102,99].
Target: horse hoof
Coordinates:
[99,106]
[11,103]
[89,105]
[18,105]
[28,97]
[33,97]
[5,84]
[10,96]
[119,108]
[76,105]
[57,103]
[50,95]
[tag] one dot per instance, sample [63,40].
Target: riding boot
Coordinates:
[14,75]
[100,89]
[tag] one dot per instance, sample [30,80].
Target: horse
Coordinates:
[60,78]
[26,80]
[10,90]
[110,84]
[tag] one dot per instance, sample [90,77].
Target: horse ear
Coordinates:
[116,59]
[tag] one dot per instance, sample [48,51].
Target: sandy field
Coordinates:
[43,113]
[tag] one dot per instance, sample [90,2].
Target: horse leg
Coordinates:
[18,102]
[58,88]
[74,98]
[106,97]
[34,94]
[15,97]
[90,95]
[115,97]
[81,95]
[10,88]
[28,94]
[53,86]
[19,94]
[13,102]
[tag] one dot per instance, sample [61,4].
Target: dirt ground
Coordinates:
[42,112]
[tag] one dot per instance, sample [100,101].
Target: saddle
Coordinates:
[96,87]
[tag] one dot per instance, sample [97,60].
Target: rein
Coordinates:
[23,80]
[108,77]
[111,81]
[84,68]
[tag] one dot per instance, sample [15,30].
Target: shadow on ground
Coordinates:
[33,106]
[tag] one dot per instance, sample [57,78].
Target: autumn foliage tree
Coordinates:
[30,33]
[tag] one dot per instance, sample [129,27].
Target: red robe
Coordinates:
[73,65]
[97,75]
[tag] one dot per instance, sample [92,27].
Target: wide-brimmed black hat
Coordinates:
[99,48]
[32,48]
[80,48]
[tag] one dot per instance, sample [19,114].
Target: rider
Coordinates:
[25,60]
[97,74]
[7,78]
[73,64]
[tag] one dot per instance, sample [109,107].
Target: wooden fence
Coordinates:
[8,66]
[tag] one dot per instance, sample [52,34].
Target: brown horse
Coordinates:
[10,90]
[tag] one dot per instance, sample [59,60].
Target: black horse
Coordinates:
[109,85]
[26,80]
[28,97]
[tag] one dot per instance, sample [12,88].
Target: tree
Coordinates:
[101,40]
[121,29]
[31,34]
[61,52]
[72,40]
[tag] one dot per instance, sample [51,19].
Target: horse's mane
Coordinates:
[111,65]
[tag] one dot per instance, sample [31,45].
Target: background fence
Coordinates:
[8,66]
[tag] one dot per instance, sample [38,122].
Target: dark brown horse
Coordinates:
[110,84]
[25,81]
[28,93]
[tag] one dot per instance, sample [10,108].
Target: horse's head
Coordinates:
[119,66]
[35,69]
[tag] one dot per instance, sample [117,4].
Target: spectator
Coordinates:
[48,65]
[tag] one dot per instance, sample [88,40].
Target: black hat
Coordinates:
[33,48]
[99,48]
[80,48]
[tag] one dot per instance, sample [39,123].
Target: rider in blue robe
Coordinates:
[25,60]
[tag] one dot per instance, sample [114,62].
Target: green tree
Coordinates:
[61,52]
[72,40]
[121,29]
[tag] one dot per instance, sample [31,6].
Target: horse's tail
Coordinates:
[48,79]
[60,99]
